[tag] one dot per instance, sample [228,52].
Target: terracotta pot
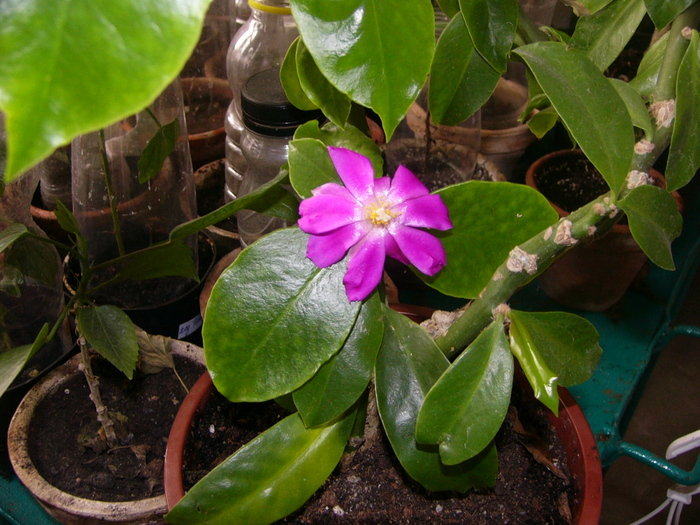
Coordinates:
[581,449]
[595,276]
[66,508]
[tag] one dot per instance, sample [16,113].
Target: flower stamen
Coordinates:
[380,214]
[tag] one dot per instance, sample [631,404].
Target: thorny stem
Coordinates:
[111,194]
[94,386]
[598,215]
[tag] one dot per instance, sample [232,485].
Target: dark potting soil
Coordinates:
[570,182]
[373,488]
[67,450]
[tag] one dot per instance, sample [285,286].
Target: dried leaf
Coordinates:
[154,352]
[536,446]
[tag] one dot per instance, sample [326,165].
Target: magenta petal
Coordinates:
[427,211]
[331,188]
[393,250]
[366,266]
[355,171]
[325,213]
[423,250]
[405,185]
[329,248]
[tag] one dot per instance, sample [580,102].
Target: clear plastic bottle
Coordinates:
[239,11]
[270,122]
[259,44]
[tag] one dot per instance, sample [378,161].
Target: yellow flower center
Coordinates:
[380,214]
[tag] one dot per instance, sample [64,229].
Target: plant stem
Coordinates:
[94,386]
[111,194]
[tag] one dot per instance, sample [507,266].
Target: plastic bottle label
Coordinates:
[188,327]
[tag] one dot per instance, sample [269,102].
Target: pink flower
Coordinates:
[372,218]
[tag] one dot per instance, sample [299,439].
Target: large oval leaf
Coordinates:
[110,331]
[593,112]
[603,36]
[268,478]
[491,24]
[489,219]
[361,47]
[654,221]
[274,318]
[73,66]
[461,81]
[684,154]
[342,379]
[568,343]
[408,365]
[467,405]
[662,12]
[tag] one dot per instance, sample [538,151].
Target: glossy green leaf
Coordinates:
[290,80]
[342,379]
[110,331]
[684,154]
[461,81]
[603,36]
[157,150]
[467,405]
[173,259]
[587,7]
[73,66]
[568,343]
[310,164]
[274,318]
[362,48]
[542,379]
[635,105]
[335,105]
[408,364]
[589,106]
[542,122]
[268,478]
[10,234]
[66,219]
[13,361]
[449,7]
[662,12]
[648,71]
[654,221]
[270,198]
[491,24]
[489,219]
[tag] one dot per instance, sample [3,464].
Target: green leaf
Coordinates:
[492,25]
[270,198]
[489,219]
[66,219]
[408,364]
[567,343]
[274,318]
[371,37]
[13,361]
[603,36]
[310,164]
[654,221]
[157,150]
[461,81]
[290,80]
[589,106]
[173,259]
[648,71]
[269,477]
[335,104]
[467,405]
[123,53]
[342,379]
[542,122]
[110,331]
[10,234]
[662,12]
[34,258]
[542,379]
[635,105]
[449,7]
[684,154]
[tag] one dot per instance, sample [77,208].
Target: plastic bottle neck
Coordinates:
[275,7]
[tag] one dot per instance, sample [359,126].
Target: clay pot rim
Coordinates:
[581,450]
[52,496]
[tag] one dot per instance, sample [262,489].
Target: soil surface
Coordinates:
[373,488]
[75,459]
[570,182]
